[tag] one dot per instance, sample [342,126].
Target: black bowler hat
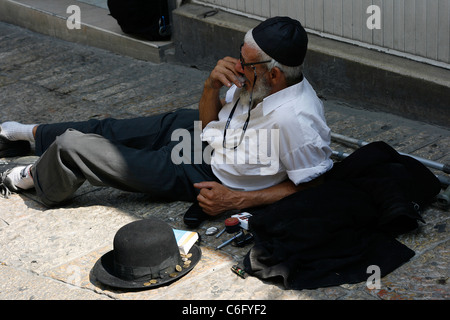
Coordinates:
[145,256]
[284,39]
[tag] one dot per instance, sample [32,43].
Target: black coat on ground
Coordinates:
[329,235]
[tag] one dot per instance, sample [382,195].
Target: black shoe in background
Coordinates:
[10,149]
[194,216]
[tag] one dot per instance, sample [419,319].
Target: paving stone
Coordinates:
[19,284]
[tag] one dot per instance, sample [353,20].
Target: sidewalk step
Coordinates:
[98,28]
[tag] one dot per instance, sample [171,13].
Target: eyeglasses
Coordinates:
[249,64]
[243,65]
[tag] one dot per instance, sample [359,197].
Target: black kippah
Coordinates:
[282,38]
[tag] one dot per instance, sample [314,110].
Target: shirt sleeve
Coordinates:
[307,162]
[305,148]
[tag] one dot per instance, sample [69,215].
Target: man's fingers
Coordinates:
[205,204]
[225,72]
[205,184]
[226,78]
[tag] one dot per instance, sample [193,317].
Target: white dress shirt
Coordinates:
[287,138]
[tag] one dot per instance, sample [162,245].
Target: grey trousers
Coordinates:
[129,154]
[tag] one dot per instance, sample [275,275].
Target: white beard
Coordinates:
[261,90]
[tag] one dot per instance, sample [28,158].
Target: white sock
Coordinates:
[15,131]
[21,177]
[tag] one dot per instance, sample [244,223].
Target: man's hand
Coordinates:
[214,198]
[225,74]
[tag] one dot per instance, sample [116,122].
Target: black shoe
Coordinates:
[13,148]
[194,216]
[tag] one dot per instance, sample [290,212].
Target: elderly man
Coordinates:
[266,140]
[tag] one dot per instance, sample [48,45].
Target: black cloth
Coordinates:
[144,18]
[329,235]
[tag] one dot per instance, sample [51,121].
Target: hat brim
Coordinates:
[104,272]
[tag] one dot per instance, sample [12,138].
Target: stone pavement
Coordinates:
[48,253]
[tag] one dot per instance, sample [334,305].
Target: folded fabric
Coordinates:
[329,235]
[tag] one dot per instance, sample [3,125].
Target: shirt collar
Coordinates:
[281,97]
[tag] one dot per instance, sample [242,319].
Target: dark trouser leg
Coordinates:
[75,157]
[144,132]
